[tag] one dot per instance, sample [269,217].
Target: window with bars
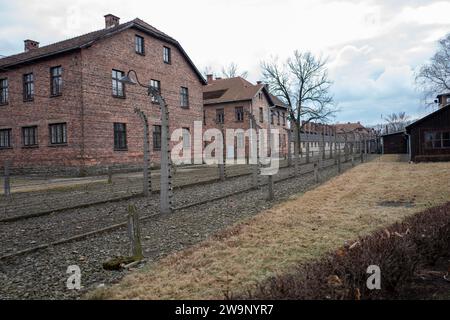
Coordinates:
[272,118]
[28,87]
[261,115]
[157,85]
[220,116]
[167,55]
[5,138]
[120,136]
[278,118]
[284,118]
[437,139]
[117,86]
[239,113]
[3,91]
[156,138]
[139,45]
[56,81]
[30,136]
[184,97]
[58,133]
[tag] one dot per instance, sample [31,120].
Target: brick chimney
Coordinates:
[443,100]
[111,21]
[209,78]
[30,45]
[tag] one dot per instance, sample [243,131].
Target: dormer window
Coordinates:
[139,45]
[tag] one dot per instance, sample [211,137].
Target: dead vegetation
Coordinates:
[300,230]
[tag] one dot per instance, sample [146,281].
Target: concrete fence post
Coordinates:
[110,180]
[7,181]
[316,171]
[147,183]
[166,192]
[134,233]
[339,159]
[307,151]
[289,148]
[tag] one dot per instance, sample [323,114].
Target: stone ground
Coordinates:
[42,274]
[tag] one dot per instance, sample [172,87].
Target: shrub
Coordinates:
[398,250]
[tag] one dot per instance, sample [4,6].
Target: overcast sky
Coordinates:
[374,47]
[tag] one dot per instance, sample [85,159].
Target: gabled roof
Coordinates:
[349,127]
[234,90]
[87,40]
[433,114]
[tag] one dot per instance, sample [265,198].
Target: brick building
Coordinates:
[228,103]
[63,109]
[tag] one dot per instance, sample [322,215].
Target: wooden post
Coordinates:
[134,233]
[7,181]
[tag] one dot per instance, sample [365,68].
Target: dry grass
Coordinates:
[300,229]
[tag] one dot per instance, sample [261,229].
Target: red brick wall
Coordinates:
[250,106]
[102,109]
[43,111]
[90,109]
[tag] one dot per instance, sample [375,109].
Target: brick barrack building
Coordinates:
[229,103]
[62,108]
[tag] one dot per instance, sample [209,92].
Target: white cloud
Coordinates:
[374,46]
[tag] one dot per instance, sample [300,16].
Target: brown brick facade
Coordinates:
[89,108]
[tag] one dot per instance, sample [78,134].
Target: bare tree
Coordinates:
[232,71]
[302,84]
[397,121]
[433,78]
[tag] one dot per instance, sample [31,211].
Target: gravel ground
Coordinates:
[42,274]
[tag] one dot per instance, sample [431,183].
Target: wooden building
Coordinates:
[430,136]
[395,143]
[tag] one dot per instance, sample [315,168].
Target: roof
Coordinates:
[87,40]
[433,114]
[235,89]
[350,127]
[393,133]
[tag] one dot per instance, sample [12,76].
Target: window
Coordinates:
[272,121]
[278,118]
[186,138]
[58,133]
[29,136]
[3,91]
[184,97]
[261,115]
[28,87]
[240,137]
[56,81]
[284,118]
[166,55]
[5,138]
[220,116]
[117,86]
[157,85]
[437,140]
[120,136]
[239,112]
[156,138]
[139,45]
